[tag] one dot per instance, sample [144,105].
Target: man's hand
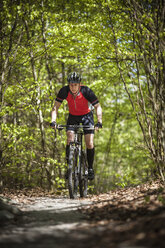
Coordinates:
[98,125]
[53,124]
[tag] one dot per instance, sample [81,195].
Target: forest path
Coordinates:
[133,217]
[46,222]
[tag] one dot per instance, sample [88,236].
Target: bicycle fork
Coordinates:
[74,152]
[71,154]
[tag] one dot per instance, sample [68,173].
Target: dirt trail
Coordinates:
[46,222]
[133,217]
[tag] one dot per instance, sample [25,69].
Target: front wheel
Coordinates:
[83,176]
[73,172]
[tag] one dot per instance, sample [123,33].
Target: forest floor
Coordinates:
[132,217]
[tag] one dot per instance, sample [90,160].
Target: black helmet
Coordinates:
[74,77]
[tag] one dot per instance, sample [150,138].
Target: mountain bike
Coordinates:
[77,162]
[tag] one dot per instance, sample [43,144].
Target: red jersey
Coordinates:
[78,105]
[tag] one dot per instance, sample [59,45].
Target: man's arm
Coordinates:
[98,112]
[55,111]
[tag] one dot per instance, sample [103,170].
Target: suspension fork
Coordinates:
[71,154]
[80,152]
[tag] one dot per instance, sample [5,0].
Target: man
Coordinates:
[78,98]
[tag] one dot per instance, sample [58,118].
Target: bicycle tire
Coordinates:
[72,173]
[83,176]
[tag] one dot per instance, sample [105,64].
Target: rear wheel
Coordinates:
[83,176]
[72,172]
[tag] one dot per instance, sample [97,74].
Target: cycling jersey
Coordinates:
[78,105]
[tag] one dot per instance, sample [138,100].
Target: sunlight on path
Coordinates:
[58,205]
[45,218]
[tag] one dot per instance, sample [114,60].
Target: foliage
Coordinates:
[118,47]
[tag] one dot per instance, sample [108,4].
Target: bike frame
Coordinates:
[78,142]
[76,152]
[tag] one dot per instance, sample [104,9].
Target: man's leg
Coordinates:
[67,153]
[89,140]
[70,138]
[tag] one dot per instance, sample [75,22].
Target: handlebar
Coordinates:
[75,127]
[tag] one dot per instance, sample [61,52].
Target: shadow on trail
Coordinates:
[52,223]
[52,217]
[46,223]
[44,228]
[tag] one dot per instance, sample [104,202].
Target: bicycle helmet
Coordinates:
[74,77]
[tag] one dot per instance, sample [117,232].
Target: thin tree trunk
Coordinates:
[40,114]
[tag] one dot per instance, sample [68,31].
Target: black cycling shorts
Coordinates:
[81,119]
